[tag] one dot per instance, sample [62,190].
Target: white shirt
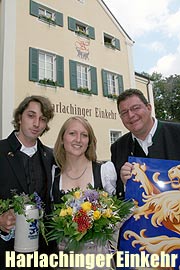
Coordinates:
[30,151]
[148,140]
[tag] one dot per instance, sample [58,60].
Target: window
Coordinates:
[46,68]
[81,28]
[112,84]
[111,42]
[46,14]
[83,77]
[114,135]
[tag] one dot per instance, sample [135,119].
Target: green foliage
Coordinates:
[166,96]
[48,82]
[84,91]
[18,202]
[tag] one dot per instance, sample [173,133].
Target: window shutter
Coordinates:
[104,83]
[60,70]
[117,44]
[59,18]
[120,84]
[91,32]
[34,8]
[71,24]
[33,65]
[73,75]
[94,81]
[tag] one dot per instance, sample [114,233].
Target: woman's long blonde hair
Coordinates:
[59,151]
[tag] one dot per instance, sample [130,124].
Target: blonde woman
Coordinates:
[75,155]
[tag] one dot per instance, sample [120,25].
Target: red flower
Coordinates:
[83,221]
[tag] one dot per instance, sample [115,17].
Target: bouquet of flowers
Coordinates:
[90,215]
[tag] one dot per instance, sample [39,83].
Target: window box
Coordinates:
[47,82]
[108,44]
[81,32]
[113,96]
[84,91]
[47,19]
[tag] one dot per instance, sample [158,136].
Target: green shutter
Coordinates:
[91,32]
[71,24]
[117,44]
[94,81]
[120,84]
[34,8]
[73,74]
[60,70]
[59,18]
[33,65]
[104,83]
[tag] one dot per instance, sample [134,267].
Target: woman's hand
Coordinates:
[7,221]
[126,172]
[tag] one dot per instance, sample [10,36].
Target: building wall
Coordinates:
[28,31]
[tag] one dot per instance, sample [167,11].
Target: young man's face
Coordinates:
[32,124]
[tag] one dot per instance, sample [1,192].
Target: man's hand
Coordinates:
[126,172]
[7,221]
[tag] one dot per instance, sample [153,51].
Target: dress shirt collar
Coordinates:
[30,151]
[148,140]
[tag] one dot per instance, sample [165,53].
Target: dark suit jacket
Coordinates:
[12,174]
[166,145]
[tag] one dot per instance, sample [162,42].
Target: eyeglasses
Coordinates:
[134,109]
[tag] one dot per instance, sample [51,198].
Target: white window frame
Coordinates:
[83,76]
[113,137]
[47,67]
[46,14]
[112,81]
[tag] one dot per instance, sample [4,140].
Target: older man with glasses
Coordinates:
[147,136]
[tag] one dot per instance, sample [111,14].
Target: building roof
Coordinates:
[115,20]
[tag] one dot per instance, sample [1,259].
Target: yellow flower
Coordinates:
[104,194]
[69,211]
[86,206]
[107,213]
[63,213]
[77,194]
[96,215]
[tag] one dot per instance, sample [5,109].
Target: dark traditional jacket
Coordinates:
[12,173]
[166,145]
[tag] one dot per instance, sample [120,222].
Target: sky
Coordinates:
[154,26]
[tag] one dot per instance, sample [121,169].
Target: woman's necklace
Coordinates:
[75,178]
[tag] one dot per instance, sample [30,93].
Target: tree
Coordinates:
[166,96]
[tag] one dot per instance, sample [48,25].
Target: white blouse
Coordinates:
[108,177]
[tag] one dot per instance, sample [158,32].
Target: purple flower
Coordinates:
[38,201]
[91,195]
[76,204]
